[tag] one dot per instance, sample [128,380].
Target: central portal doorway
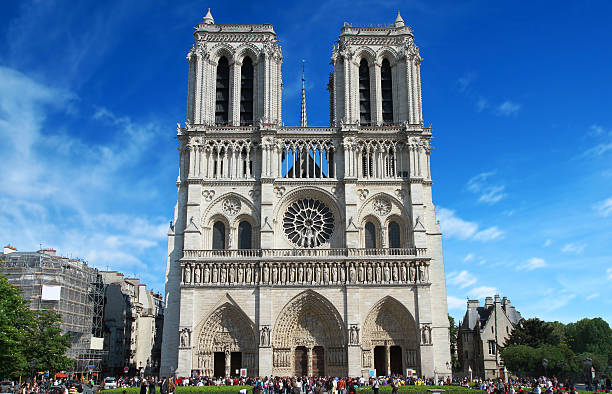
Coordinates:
[236,363]
[219,364]
[318,361]
[301,361]
[380,361]
[395,359]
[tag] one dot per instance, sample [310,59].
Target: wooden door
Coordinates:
[301,361]
[318,361]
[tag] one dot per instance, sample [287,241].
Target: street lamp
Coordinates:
[33,365]
[588,364]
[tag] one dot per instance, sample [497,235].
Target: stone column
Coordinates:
[235,94]
[228,363]
[309,363]
[388,359]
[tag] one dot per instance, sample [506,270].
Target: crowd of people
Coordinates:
[310,385]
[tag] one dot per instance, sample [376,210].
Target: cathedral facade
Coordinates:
[304,250]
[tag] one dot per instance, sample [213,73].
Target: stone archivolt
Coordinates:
[309,320]
[227,329]
[389,323]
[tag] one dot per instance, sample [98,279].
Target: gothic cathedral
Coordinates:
[304,250]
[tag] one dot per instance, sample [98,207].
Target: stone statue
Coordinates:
[264,336]
[187,276]
[247,274]
[403,273]
[412,272]
[308,273]
[394,273]
[231,274]
[334,273]
[206,273]
[425,273]
[292,274]
[223,275]
[352,273]
[387,276]
[325,274]
[256,274]
[317,278]
[361,273]
[421,273]
[378,273]
[369,273]
[274,273]
[184,337]
[342,273]
[301,274]
[265,275]
[240,274]
[215,274]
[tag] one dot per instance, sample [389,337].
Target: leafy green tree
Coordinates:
[453,331]
[46,344]
[15,320]
[590,336]
[534,332]
[520,359]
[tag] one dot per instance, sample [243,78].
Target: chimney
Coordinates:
[48,252]
[488,302]
[473,304]
[9,249]
[497,299]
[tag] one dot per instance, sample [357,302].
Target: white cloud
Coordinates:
[609,273]
[576,248]
[592,296]
[482,104]
[547,243]
[604,208]
[490,234]
[79,196]
[455,303]
[455,227]
[533,263]
[462,279]
[465,81]
[599,149]
[508,108]
[482,292]
[488,193]
[597,130]
[468,257]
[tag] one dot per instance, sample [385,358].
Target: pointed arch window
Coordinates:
[370,235]
[218,241]
[222,93]
[245,232]
[387,92]
[246,92]
[365,116]
[394,235]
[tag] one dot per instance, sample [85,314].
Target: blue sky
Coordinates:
[518,94]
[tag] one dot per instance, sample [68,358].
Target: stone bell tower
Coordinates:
[363,83]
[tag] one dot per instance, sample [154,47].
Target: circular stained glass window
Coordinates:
[308,223]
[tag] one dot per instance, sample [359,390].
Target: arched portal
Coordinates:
[390,338]
[309,338]
[226,341]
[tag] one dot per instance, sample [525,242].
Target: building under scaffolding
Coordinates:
[69,287]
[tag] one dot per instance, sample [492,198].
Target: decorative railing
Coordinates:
[335,252]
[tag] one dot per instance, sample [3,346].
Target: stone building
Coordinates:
[69,287]
[482,331]
[304,250]
[133,324]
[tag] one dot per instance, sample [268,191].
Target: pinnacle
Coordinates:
[208,19]
[399,22]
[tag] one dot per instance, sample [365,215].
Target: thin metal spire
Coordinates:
[303,121]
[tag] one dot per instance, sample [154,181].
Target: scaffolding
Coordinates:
[69,287]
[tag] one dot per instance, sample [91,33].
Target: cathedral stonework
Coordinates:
[304,250]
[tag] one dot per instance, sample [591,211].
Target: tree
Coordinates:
[453,331]
[534,332]
[15,320]
[46,344]
[590,336]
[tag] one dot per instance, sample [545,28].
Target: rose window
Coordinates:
[308,223]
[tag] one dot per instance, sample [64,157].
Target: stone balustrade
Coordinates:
[310,252]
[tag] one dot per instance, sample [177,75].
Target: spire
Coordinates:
[208,19]
[399,22]
[303,117]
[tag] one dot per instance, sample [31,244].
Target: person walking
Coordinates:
[375,385]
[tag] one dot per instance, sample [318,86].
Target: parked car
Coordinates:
[6,386]
[110,383]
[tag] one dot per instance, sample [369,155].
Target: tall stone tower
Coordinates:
[304,250]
